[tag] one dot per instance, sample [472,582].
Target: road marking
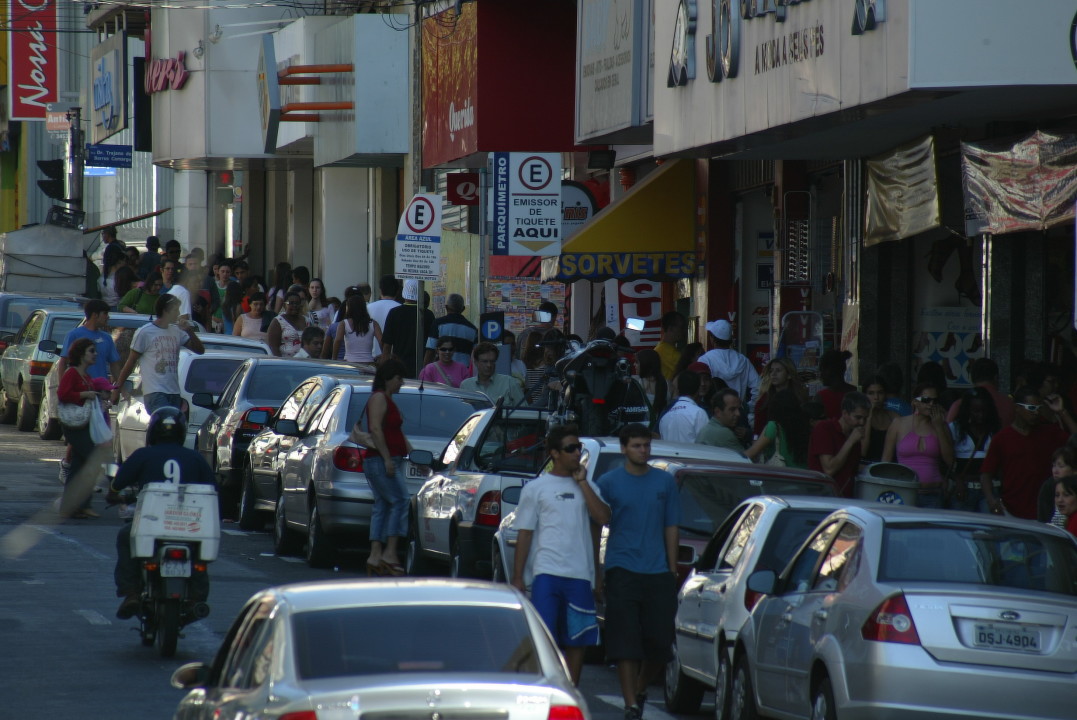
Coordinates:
[33,582]
[651,711]
[93,617]
[291,559]
[73,541]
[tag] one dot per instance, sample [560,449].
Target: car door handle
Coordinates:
[820,614]
[721,589]
[787,617]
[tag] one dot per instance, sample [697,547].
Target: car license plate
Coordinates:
[176,568]
[1006,637]
[416,471]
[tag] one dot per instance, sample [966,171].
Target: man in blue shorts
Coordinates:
[640,567]
[560,518]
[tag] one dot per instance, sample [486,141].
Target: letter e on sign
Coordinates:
[420,215]
[462,188]
[535,173]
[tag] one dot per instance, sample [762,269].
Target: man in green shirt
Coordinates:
[719,429]
[486,381]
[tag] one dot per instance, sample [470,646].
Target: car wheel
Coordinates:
[320,550]
[498,572]
[721,686]
[249,517]
[683,694]
[26,415]
[47,427]
[741,696]
[822,704]
[7,408]
[414,562]
[460,563]
[285,541]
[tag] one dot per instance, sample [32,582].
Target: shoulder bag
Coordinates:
[75,416]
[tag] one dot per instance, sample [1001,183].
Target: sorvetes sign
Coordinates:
[33,58]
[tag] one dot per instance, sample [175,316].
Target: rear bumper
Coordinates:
[475,543]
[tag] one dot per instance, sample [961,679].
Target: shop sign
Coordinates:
[115,156]
[418,239]
[166,74]
[269,101]
[33,58]
[626,265]
[462,188]
[527,203]
[109,79]
[577,207]
[682,61]
[449,86]
[640,299]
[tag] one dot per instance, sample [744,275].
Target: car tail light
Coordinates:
[175,553]
[349,459]
[200,567]
[564,712]
[246,424]
[3,345]
[489,512]
[598,401]
[150,566]
[40,367]
[751,597]
[891,622]
[301,715]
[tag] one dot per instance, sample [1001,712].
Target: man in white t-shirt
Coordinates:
[155,347]
[685,418]
[169,268]
[560,518]
[379,309]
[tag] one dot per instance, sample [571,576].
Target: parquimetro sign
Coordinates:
[33,58]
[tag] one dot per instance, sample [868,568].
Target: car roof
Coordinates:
[669,450]
[211,353]
[330,365]
[414,387]
[320,595]
[806,502]
[125,319]
[759,470]
[896,514]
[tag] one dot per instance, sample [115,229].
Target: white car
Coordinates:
[216,341]
[208,372]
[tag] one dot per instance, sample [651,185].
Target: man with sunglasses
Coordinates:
[560,518]
[1020,455]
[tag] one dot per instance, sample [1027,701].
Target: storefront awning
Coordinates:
[648,233]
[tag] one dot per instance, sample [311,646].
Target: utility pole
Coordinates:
[74,160]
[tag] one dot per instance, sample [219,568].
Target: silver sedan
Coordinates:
[891,612]
[401,648]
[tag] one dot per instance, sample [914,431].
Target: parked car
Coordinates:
[303,468]
[15,308]
[394,648]
[893,611]
[30,356]
[206,373]
[234,343]
[762,533]
[259,383]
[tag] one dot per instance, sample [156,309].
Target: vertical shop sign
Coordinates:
[527,203]
[109,77]
[33,58]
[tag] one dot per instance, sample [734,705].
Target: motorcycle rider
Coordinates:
[162,459]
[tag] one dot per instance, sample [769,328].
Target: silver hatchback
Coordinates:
[890,612]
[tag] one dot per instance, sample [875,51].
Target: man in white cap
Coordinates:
[398,333]
[730,365]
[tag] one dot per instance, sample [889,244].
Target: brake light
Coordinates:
[246,424]
[891,622]
[564,712]
[751,597]
[175,553]
[489,512]
[349,459]
[598,401]
[301,715]
[3,345]
[40,367]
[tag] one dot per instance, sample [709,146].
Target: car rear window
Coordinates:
[18,309]
[61,326]
[394,639]
[708,497]
[979,555]
[272,381]
[210,375]
[234,347]
[425,414]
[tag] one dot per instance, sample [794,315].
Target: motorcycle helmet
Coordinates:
[167,425]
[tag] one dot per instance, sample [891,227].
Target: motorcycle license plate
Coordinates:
[176,568]
[1006,637]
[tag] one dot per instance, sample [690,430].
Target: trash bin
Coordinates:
[891,483]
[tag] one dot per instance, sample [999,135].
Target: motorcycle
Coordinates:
[175,534]
[598,391]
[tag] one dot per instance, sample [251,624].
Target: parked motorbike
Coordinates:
[598,394]
[175,534]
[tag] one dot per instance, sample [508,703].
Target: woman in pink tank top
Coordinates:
[922,442]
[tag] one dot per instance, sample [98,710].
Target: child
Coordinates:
[311,342]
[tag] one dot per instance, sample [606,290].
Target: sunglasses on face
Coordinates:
[572,447]
[445,349]
[1029,407]
[926,400]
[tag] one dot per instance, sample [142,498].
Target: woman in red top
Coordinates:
[384,472]
[1066,501]
[76,388]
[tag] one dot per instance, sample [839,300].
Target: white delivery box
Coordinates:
[173,511]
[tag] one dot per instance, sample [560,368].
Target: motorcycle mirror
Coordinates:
[634,324]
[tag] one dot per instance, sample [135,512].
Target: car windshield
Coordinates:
[61,326]
[376,640]
[708,497]
[425,414]
[979,555]
[210,375]
[272,381]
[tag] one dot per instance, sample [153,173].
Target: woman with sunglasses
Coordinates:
[922,442]
[445,370]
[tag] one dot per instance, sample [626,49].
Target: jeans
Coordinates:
[390,515]
[156,401]
[84,471]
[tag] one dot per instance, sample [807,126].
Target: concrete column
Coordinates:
[300,216]
[341,240]
[190,210]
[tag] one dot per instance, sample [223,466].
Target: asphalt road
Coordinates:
[65,653]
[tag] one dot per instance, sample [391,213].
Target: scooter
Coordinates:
[599,393]
[175,534]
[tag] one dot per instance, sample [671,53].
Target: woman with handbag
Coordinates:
[77,400]
[784,440]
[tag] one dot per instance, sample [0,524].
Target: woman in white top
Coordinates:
[977,420]
[249,325]
[357,331]
[321,310]
[286,330]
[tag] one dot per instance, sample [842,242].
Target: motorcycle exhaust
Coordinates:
[200,610]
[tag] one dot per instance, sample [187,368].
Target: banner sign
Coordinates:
[903,193]
[418,239]
[527,203]
[108,63]
[33,58]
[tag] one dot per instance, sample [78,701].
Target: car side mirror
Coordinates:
[257,417]
[191,675]
[511,495]
[421,457]
[283,426]
[686,555]
[48,346]
[204,400]
[763,582]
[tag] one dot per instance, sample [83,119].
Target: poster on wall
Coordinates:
[949,336]
[519,297]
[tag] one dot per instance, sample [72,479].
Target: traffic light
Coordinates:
[54,171]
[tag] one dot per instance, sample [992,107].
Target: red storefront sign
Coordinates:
[166,74]
[642,299]
[33,58]
[462,188]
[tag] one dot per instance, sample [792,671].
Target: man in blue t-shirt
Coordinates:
[640,567]
[93,327]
